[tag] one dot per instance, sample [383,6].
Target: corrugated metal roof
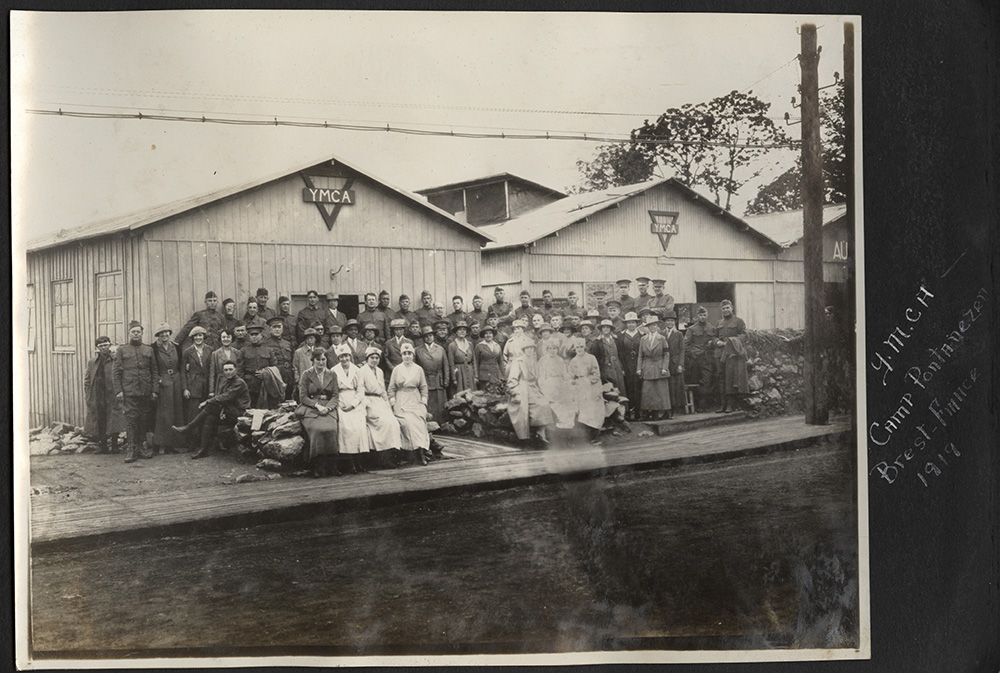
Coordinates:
[785,227]
[155,214]
[560,214]
[487,178]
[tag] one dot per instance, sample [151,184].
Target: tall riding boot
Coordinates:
[130,449]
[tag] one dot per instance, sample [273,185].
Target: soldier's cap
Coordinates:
[282,299]
[623,281]
[261,292]
[593,313]
[669,315]
[403,296]
[228,300]
[255,329]
[587,323]
[425,293]
[442,321]
[614,302]
[316,323]
[335,329]
[101,340]
[702,309]
[600,293]
[725,302]
[134,324]
[275,321]
[571,293]
[498,289]
[370,327]
[642,279]
[351,323]
[342,349]
[312,293]
[607,323]
[631,317]
[545,292]
[198,329]
[426,329]
[658,282]
[545,327]
[397,322]
[475,297]
[644,311]
[317,353]
[239,323]
[384,293]
[310,332]
[161,328]
[372,350]
[332,297]
[211,295]
[524,293]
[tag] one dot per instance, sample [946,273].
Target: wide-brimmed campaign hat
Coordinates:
[350,323]
[459,325]
[631,317]
[669,315]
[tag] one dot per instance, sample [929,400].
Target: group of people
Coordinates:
[368,384]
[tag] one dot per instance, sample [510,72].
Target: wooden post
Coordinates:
[849,157]
[812,222]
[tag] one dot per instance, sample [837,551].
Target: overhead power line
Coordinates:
[388,128]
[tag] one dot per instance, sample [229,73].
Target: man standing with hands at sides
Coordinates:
[404,311]
[287,320]
[432,359]
[525,311]
[642,301]
[394,346]
[256,358]
[477,314]
[458,313]
[501,308]
[660,301]
[304,319]
[733,380]
[104,409]
[136,380]
[548,309]
[628,353]
[252,316]
[383,305]
[208,318]
[282,351]
[699,347]
[627,300]
[230,402]
[373,316]
[229,318]
[425,314]
[573,308]
[263,310]
[675,346]
[333,315]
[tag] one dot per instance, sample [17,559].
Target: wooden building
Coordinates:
[491,199]
[659,228]
[325,225]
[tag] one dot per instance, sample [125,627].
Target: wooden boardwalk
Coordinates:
[474,464]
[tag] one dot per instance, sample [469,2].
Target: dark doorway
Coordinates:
[713,293]
[350,305]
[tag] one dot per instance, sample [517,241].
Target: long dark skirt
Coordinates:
[322,432]
[656,394]
[677,392]
[435,405]
[169,411]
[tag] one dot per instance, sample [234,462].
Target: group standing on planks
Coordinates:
[371,384]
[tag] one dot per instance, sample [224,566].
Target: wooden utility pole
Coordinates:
[851,307]
[812,223]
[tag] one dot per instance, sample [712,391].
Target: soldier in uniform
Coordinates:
[425,314]
[256,358]
[413,331]
[263,310]
[282,351]
[478,313]
[602,308]
[231,401]
[104,409]
[311,313]
[501,308]
[573,307]
[442,332]
[626,300]
[288,320]
[525,311]
[675,346]
[136,380]
[431,357]
[614,315]
[699,348]
[229,318]
[660,301]
[208,318]
[373,316]
[628,353]
[240,334]
[302,357]
[253,317]
[458,313]
[549,309]
[384,298]
[404,311]
[333,315]
[731,348]
[643,299]
[195,372]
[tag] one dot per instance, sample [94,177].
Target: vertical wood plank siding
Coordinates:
[266,237]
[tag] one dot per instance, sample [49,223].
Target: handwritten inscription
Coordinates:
[917,425]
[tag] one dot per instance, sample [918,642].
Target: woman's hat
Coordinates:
[398,322]
[342,349]
[310,332]
[488,328]
[651,318]
[372,350]
[370,326]
[460,324]
[607,323]
[161,328]
[669,314]
[426,329]
[351,322]
[198,329]
[406,348]
[631,317]
[545,327]
[520,322]
[334,330]
[442,321]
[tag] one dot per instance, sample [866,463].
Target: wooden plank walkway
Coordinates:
[476,464]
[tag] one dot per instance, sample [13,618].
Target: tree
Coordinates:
[783,193]
[714,144]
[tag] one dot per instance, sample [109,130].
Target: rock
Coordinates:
[285,450]
[89,447]
[773,395]
[477,430]
[247,478]
[286,427]
[35,431]
[645,433]
[454,402]
[269,464]
[60,428]
[448,427]
[433,426]
[755,383]
[789,369]
[457,413]
[461,423]
[44,444]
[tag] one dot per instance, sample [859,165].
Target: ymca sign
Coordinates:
[664,225]
[336,196]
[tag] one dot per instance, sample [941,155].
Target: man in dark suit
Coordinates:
[283,352]
[392,349]
[675,346]
[308,315]
[525,311]
[501,308]
[373,316]
[230,402]
[208,318]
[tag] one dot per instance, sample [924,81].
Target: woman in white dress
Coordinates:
[383,428]
[527,408]
[585,377]
[353,432]
[554,383]
[408,397]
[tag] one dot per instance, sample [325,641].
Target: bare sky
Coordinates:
[461,71]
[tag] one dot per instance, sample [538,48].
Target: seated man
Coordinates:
[230,401]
